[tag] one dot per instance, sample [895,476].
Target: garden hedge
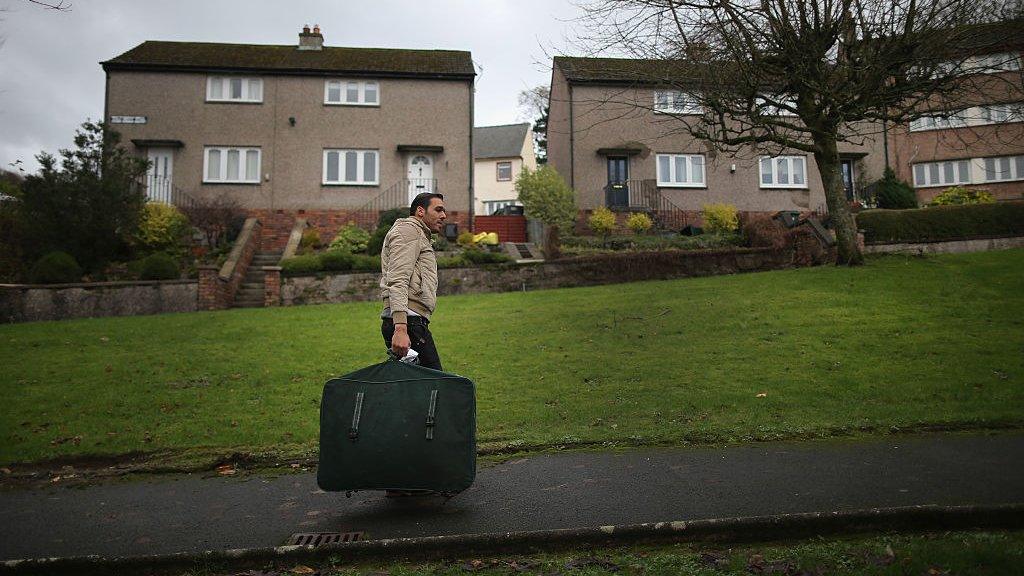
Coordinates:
[937,223]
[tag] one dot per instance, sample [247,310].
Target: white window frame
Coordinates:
[225,87]
[670,180]
[497,171]
[995,63]
[1014,173]
[343,85]
[222,168]
[940,121]
[675,102]
[791,162]
[360,166]
[927,177]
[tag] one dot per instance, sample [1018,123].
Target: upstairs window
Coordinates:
[680,170]
[947,173]
[783,172]
[234,89]
[226,165]
[1000,62]
[504,171]
[938,122]
[775,105]
[352,92]
[675,102]
[999,113]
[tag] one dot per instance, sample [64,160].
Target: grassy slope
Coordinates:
[902,342]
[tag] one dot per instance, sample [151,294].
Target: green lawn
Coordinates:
[902,343]
[946,554]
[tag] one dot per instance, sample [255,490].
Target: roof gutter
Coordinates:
[121,66]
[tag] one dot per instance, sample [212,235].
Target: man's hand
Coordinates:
[400,341]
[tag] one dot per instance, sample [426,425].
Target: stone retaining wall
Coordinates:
[948,247]
[589,271]
[36,302]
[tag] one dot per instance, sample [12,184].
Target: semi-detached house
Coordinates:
[329,134]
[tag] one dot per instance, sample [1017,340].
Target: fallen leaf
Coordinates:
[104,339]
[300,569]
[762,395]
[226,470]
[108,369]
[5,470]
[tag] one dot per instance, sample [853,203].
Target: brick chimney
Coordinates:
[311,40]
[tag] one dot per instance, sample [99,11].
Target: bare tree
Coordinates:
[533,106]
[768,76]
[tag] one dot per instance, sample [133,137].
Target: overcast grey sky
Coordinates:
[51,80]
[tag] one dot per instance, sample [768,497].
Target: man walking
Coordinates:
[408,282]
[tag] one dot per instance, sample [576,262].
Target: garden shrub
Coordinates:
[720,218]
[602,221]
[894,194]
[762,231]
[465,239]
[937,223]
[387,218]
[476,256]
[958,195]
[639,223]
[162,228]
[336,260]
[451,262]
[364,263]
[590,244]
[159,266]
[351,238]
[310,240]
[300,265]
[55,268]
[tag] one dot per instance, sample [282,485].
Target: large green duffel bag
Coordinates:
[398,426]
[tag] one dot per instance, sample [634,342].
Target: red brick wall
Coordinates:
[509,228]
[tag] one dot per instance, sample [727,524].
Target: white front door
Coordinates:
[420,174]
[159,176]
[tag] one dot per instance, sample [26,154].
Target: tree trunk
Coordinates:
[827,158]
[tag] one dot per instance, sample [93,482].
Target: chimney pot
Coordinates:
[305,29]
[311,40]
[316,29]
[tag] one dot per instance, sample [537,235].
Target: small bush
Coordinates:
[310,240]
[55,268]
[451,262]
[376,242]
[764,232]
[300,265]
[958,195]
[465,239]
[162,228]
[336,260]
[364,263]
[639,223]
[720,218]
[894,194]
[351,238]
[956,222]
[475,256]
[602,221]
[388,217]
[159,266]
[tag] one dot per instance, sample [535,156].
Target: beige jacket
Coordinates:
[408,279]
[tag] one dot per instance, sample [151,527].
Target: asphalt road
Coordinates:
[566,490]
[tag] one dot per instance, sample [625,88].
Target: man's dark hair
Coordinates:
[423,199]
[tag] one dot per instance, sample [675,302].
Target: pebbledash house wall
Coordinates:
[621,116]
[428,112]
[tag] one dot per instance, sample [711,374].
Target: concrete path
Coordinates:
[568,490]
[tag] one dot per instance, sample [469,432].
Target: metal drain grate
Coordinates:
[321,538]
[524,251]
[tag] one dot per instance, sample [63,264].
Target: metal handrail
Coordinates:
[644,196]
[398,195]
[161,189]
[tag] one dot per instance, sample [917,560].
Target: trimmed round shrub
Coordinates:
[388,217]
[894,194]
[351,238]
[55,268]
[602,221]
[336,260]
[162,227]
[720,218]
[300,265]
[639,223]
[159,266]
[958,195]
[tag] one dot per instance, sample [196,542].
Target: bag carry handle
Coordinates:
[430,414]
[353,432]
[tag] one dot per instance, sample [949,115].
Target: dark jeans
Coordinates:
[419,337]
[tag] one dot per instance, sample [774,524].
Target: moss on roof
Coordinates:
[288,59]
